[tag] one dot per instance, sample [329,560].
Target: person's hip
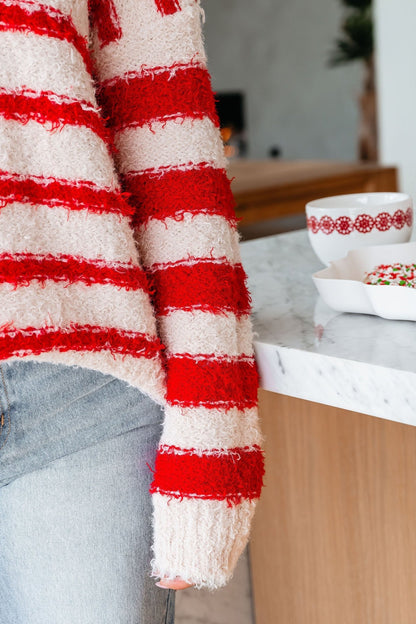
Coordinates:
[50,410]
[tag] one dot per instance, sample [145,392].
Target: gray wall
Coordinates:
[396,71]
[276,52]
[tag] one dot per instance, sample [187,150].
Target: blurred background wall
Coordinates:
[276,51]
[395,23]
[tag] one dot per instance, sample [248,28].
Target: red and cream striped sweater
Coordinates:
[119,249]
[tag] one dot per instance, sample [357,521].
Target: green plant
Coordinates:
[357,34]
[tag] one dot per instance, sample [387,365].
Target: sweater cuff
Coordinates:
[199,540]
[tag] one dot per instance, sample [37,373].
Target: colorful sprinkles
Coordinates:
[392,275]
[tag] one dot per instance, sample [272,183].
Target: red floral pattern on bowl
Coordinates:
[363,223]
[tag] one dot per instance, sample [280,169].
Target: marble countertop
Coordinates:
[304,349]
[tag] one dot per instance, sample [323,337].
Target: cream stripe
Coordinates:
[71,152]
[203,332]
[199,540]
[203,428]
[60,303]
[77,9]
[180,34]
[41,230]
[200,236]
[170,143]
[43,64]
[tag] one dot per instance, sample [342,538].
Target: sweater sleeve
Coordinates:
[155,92]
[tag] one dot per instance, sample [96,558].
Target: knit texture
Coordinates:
[119,249]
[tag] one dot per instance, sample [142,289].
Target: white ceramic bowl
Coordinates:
[343,222]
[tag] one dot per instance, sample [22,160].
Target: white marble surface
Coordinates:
[304,349]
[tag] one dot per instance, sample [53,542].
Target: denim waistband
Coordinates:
[50,410]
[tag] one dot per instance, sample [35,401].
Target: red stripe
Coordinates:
[168,94]
[34,340]
[167,7]
[43,20]
[103,16]
[174,192]
[24,105]
[20,268]
[233,475]
[205,285]
[54,192]
[203,381]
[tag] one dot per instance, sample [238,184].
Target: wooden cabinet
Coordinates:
[266,189]
[334,534]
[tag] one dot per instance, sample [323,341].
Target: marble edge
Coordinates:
[347,384]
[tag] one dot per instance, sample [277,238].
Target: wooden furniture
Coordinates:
[266,189]
[334,537]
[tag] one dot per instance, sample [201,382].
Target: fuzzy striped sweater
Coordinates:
[119,249]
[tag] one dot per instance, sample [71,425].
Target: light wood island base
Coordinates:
[334,534]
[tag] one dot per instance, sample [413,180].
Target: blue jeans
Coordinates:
[75,511]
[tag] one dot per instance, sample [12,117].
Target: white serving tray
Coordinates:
[341,286]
